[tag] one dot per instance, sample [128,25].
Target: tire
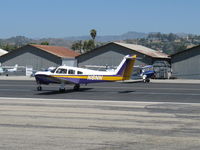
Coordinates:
[77,87]
[61,90]
[147,80]
[39,88]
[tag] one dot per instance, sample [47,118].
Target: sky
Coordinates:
[64,18]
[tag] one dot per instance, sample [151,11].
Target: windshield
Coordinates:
[52,71]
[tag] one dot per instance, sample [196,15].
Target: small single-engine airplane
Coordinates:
[13,69]
[74,75]
[7,69]
[147,73]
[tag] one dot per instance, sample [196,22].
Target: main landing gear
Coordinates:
[62,88]
[145,79]
[76,87]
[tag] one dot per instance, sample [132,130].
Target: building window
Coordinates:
[70,71]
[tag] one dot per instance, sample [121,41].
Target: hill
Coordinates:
[107,38]
[168,43]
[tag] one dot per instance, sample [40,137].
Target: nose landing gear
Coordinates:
[39,88]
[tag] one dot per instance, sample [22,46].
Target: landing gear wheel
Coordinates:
[39,88]
[61,89]
[147,80]
[77,87]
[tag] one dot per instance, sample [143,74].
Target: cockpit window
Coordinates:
[61,71]
[70,71]
[79,72]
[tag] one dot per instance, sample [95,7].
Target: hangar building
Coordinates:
[39,56]
[112,54]
[185,64]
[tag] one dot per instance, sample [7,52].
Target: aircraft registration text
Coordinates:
[95,77]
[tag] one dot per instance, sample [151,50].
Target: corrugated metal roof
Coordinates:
[57,50]
[144,50]
[2,52]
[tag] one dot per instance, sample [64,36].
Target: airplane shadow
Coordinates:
[125,92]
[58,92]
[131,82]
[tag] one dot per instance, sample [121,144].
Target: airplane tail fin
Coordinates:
[125,68]
[15,67]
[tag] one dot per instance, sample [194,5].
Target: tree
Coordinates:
[85,46]
[45,43]
[9,47]
[88,45]
[77,46]
[93,33]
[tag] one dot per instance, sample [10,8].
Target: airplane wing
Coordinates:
[46,79]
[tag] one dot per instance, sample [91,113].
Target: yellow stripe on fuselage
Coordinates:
[63,76]
[112,78]
[92,77]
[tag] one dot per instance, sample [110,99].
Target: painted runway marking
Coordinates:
[94,101]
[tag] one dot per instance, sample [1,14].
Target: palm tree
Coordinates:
[93,33]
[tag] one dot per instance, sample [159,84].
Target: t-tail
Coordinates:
[125,68]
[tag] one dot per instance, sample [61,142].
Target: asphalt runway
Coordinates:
[114,116]
[151,92]
[49,124]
